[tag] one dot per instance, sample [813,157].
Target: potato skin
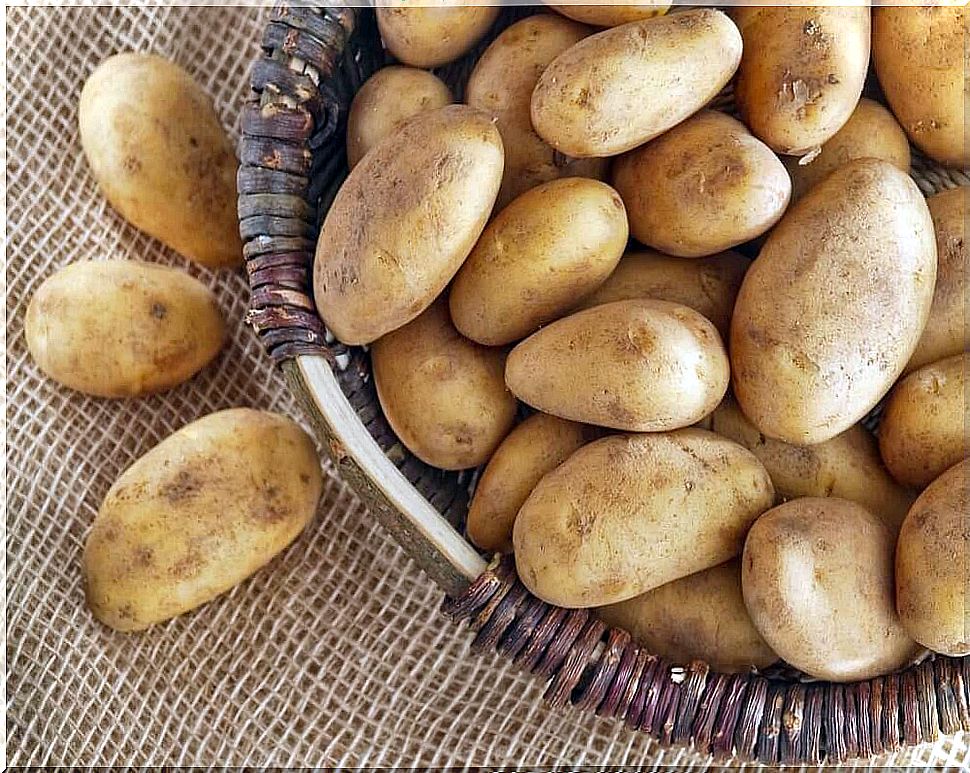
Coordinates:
[811,352]
[388,98]
[698,617]
[923,431]
[198,514]
[621,87]
[628,513]
[537,259]
[641,365]
[442,394]
[404,222]
[931,564]
[817,576]
[430,37]
[161,157]
[122,328]
[706,185]
[612,15]
[802,72]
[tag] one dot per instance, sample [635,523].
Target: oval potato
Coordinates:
[423,36]
[604,15]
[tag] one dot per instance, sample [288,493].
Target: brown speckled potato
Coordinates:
[404,221]
[812,349]
[704,186]
[423,36]
[604,15]
[198,514]
[921,59]
[628,513]
[817,576]
[537,446]
[121,328]
[502,83]
[932,557]
[537,259]
[924,426]
[802,72]
[388,98]
[699,617]
[161,157]
[642,366]
[442,394]
[619,88]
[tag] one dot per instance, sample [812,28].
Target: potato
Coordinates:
[388,98]
[931,565]
[802,72]
[161,157]
[442,394]
[538,258]
[404,221]
[921,61]
[704,186]
[848,466]
[502,83]
[817,576]
[870,132]
[641,365]
[433,36]
[698,617]
[198,514]
[603,15]
[122,328]
[537,446]
[628,513]
[619,88]
[812,348]
[924,426]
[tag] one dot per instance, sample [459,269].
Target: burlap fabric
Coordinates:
[334,655]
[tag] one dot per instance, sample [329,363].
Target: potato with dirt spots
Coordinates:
[122,328]
[423,36]
[161,157]
[604,15]
[198,514]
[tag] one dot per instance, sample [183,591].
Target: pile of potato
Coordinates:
[566,240]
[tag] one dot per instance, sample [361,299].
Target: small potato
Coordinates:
[433,36]
[642,366]
[704,186]
[122,328]
[699,617]
[537,259]
[603,15]
[621,87]
[442,394]
[932,557]
[388,98]
[161,157]
[537,446]
[198,514]
[817,576]
[628,513]
[924,426]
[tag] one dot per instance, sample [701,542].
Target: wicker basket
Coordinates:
[293,161]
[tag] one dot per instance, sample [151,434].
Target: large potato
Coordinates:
[621,87]
[932,557]
[817,576]
[442,394]
[604,15]
[432,36]
[698,617]
[922,61]
[161,157]
[812,346]
[404,221]
[628,513]
[704,186]
[926,420]
[197,514]
[121,328]
[641,365]
[537,259]
[802,72]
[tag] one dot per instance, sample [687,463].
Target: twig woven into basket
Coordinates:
[293,162]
